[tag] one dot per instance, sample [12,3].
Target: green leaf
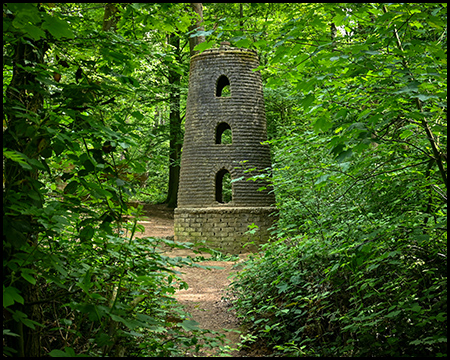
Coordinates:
[411,87]
[87,233]
[307,101]
[357,125]
[88,165]
[204,46]
[189,325]
[55,261]
[322,179]
[260,43]
[137,115]
[423,97]
[68,352]
[441,317]
[56,27]
[344,155]
[29,9]
[201,33]
[244,43]
[11,295]
[26,274]
[37,164]
[17,157]
[337,149]
[406,134]
[131,324]
[416,308]
[393,313]
[339,19]
[342,114]
[282,287]
[71,187]
[19,316]
[96,296]
[238,179]
[8,300]
[322,124]
[306,86]
[274,82]
[10,333]
[334,268]
[371,52]
[183,23]
[26,18]
[120,182]
[14,236]
[280,53]
[33,32]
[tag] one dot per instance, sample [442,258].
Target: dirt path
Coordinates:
[204,297]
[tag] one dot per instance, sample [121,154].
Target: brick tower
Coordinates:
[225,126]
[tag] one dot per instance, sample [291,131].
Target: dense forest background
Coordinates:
[356,104]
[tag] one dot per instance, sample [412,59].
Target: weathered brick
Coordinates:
[200,213]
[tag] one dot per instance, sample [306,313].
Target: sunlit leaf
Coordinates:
[204,46]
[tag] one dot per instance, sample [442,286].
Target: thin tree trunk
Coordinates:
[110,18]
[174,129]
[197,25]
[241,17]
[438,156]
[24,92]
[174,98]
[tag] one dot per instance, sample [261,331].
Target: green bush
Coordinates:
[378,298]
[357,267]
[101,293]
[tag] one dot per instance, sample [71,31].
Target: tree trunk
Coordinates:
[197,25]
[241,17]
[174,98]
[24,92]
[110,18]
[174,128]
[174,116]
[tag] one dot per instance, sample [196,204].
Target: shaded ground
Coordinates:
[205,299]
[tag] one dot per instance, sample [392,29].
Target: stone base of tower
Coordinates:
[224,228]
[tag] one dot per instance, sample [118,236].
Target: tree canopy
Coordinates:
[356,105]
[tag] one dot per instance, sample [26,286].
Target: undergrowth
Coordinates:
[107,295]
[305,296]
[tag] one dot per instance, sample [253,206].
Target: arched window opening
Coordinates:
[224,134]
[223,87]
[223,187]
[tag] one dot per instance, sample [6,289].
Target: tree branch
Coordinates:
[377,174]
[418,103]
[52,298]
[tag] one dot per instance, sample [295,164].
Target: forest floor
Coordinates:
[206,298]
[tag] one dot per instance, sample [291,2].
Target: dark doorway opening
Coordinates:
[223,87]
[223,134]
[223,187]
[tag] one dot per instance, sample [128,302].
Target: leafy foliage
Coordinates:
[356,109]
[76,104]
[310,297]
[358,266]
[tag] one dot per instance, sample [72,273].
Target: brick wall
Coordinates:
[224,228]
[201,214]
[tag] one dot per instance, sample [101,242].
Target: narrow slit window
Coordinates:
[223,87]
[224,134]
[223,187]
